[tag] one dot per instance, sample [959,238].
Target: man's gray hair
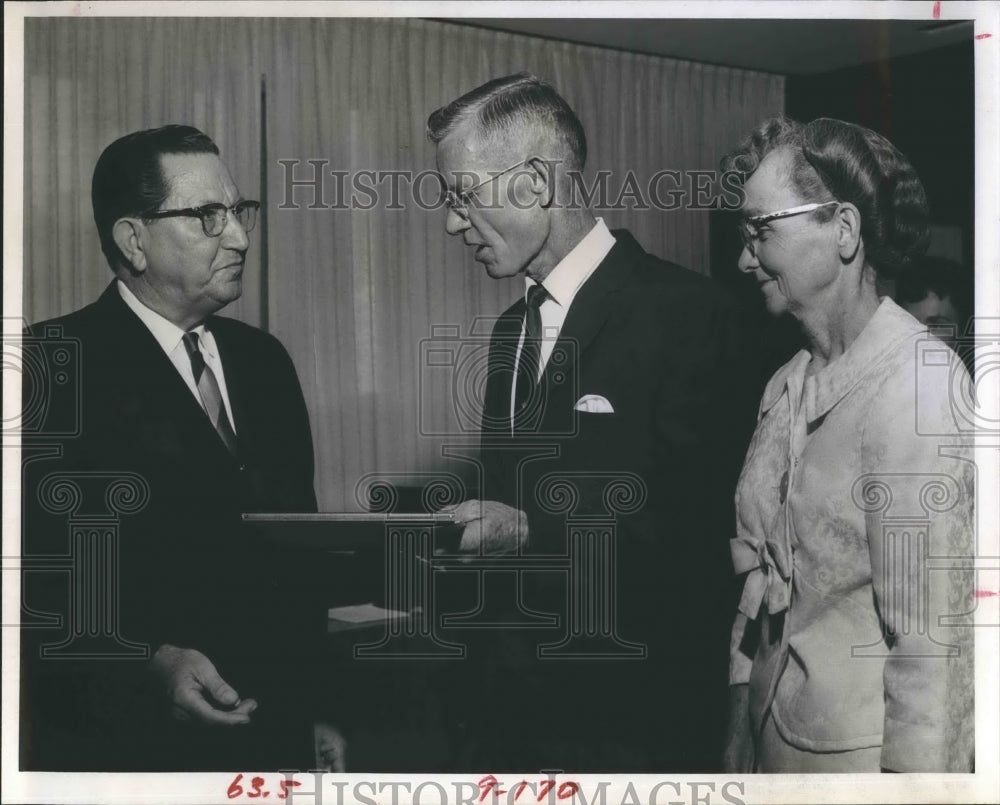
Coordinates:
[520,100]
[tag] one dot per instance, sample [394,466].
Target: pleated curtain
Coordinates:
[354,294]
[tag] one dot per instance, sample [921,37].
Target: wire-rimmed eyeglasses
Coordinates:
[750,227]
[459,202]
[214,217]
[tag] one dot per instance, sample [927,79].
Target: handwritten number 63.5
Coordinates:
[235,789]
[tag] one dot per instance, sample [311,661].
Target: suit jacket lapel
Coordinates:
[152,376]
[589,311]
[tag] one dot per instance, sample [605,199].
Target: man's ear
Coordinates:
[127,234]
[543,180]
[848,222]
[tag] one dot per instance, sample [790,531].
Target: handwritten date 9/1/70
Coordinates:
[490,787]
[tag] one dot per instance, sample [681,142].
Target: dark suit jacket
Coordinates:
[668,351]
[188,575]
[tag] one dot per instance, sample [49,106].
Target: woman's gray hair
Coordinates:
[832,159]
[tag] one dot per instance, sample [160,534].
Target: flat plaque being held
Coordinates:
[347,530]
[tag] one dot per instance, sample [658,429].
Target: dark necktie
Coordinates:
[526,400]
[208,389]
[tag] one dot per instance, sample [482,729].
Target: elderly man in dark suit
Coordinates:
[618,365]
[208,414]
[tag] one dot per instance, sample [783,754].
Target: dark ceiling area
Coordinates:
[785,46]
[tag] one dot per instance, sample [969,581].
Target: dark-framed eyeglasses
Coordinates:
[214,217]
[750,227]
[459,202]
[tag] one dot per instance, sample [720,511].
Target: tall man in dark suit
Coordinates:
[620,365]
[206,416]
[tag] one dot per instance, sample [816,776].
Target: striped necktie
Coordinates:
[208,389]
[527,403]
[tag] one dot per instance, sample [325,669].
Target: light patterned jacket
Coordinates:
[855,530]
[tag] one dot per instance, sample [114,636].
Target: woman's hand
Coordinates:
[738,756]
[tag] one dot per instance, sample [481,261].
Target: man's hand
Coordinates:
[490,527]
[195,689]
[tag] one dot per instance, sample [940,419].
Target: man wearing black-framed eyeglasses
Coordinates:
[182,257]
[208,413]
[214,217]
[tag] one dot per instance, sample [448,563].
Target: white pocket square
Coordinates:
[594,404]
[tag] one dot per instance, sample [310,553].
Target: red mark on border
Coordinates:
[936,13]
[983,36]
[76,9]
[236,790]
[985,594]
[489,786]
[486,785]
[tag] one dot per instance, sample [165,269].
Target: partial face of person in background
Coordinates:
[934,311]
[189,274]
[502,220]
[794,260]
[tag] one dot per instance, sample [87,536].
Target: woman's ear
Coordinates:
[127,234]
[848,222]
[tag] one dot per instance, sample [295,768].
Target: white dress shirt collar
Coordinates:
[170,338]
[167,334]
[575,268]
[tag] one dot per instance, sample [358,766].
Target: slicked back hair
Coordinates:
[503,105]
[128,178]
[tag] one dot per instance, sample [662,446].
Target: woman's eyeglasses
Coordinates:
[750,227]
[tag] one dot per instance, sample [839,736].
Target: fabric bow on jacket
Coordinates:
[770,573]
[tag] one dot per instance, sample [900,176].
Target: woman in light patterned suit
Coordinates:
[850,650]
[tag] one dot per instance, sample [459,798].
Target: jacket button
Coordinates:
[244,466]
